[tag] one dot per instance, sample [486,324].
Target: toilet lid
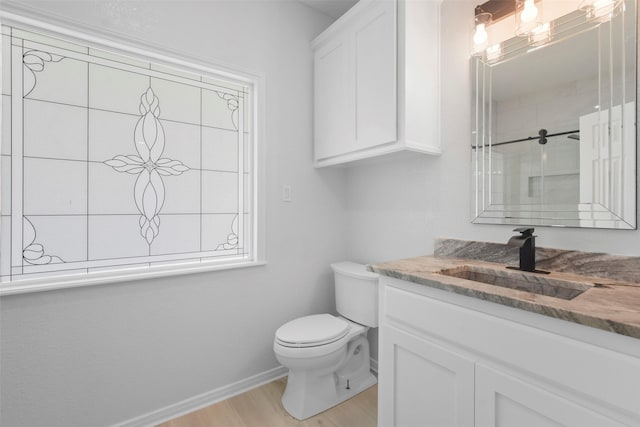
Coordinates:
[318,329]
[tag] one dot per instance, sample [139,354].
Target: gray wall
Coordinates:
[100,355]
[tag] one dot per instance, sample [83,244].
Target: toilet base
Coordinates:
[310,392]
[302,406]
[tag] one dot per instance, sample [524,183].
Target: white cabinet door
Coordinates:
[422,384]
[378,94]
[331,111]
[506,401]
[373,43]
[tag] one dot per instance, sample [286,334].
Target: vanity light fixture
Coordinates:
[528,23]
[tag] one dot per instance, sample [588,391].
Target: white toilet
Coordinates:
[328,356]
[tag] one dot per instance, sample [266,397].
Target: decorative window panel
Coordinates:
[113,161]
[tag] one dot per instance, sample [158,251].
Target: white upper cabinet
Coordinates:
[373,56]
[377,82]
[331,77]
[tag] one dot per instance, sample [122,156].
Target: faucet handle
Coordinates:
[526,231]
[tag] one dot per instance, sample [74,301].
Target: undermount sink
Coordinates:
[520,280]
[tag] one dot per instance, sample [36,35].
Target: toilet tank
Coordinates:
[356,292]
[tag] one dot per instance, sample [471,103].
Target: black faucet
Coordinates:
[526,241]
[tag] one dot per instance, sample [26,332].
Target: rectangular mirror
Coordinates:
[554,125]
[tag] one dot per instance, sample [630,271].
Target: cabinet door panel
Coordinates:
[571,362]
[374,58]
[506,401]
[422,384]
[331,114]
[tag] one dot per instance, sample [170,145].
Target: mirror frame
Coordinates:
[588,215]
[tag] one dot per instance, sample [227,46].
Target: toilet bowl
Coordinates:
[327,355]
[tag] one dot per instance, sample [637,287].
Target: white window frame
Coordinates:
[29,20]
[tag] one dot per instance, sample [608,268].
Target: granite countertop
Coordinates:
[608,303]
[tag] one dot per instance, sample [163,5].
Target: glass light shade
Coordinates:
[480,40]
[480,36]
[528,16]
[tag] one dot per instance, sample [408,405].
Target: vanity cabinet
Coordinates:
[429,385]
[505,400]
[376,82]
[451,360]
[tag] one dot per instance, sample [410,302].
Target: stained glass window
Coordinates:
[113,161]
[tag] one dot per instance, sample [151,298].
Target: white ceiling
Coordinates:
[332,8]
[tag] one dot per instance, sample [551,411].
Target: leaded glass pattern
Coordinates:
[112,161]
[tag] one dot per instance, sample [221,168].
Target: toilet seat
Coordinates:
[312,331]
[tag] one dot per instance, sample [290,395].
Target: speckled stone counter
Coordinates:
[611,301]
[584,263]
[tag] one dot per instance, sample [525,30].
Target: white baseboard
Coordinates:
[205,399]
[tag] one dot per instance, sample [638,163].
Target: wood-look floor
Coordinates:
[262,407]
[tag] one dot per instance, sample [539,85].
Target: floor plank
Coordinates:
[262,407]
